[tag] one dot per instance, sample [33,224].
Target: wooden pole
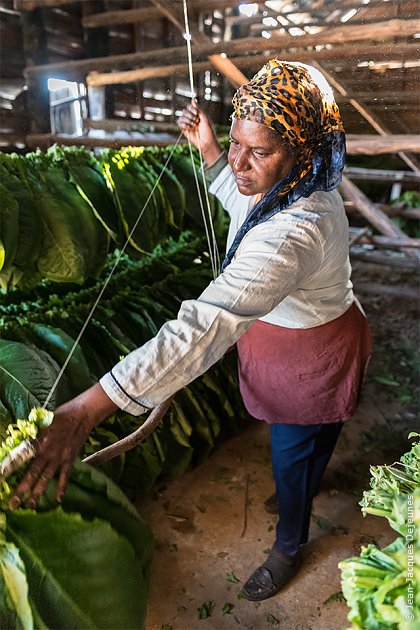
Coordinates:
[386,289]
[390,211]
[34,48]
[381,175]
[129,16]
[365,145]
[221,62]
[363,110]
[379,258]
[275,45]
[374,215]
[376,145]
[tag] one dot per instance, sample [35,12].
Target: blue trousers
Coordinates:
[300,454]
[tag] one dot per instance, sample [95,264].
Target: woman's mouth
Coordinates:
[243,181]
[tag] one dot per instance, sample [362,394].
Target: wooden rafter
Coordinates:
[374,215]
[79,67]
[220,62]
[364,111]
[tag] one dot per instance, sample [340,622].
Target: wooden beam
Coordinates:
[391,211]
[380,175]
[379,258]
[407,293]
[377,99]
[375,216]
[129,16]
[244,20]
[357,147]
[148,139]
[378,145]
[387,242]
[130,124]
[363,110]
[30,5]
[78,68]
[220,62]
[227,67]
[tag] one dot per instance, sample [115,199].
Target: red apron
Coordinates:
[304,375]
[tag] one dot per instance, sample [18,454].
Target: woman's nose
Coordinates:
[241,162]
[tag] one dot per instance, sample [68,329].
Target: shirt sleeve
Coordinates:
[212,171]
[273,258]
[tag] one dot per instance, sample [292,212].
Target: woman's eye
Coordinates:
[260,154]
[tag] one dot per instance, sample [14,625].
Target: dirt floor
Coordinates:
[211,527]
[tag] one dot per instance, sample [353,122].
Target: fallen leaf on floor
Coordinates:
[231,577]
[205,609]
[227,609]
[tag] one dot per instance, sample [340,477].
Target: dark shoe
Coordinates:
[271,504]
[271,576]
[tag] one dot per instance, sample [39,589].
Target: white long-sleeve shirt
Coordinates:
[292,270]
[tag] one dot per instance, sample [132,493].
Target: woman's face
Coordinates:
[258,156]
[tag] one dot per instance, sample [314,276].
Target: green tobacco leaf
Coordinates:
[132,189]
[92,184]
[174,190]
[75,244]
[26,378]
[30,225]
[182,168]
[81,574]
[15,610]
[58,344]
[92,494]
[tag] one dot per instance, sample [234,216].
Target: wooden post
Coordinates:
[367,115]
[221,62]
[374,215]
[34,48]
[96,43]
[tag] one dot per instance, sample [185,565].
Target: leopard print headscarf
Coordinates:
[294,100]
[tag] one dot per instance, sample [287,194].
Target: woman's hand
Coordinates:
[58,446]
[198,129]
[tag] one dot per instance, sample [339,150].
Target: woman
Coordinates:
[284,296]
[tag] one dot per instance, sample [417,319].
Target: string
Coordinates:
[212,243]
[108,278]
[213,250]
[216,252]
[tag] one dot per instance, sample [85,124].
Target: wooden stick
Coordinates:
[386,242]
[356,238]
[381,175]
[220,62]
[131,441]
[375,216]
[147,140]
[376,145]
[384,289]
[378,258]
[130,16]
[246,503]
[249,46]
[364,111]
[391,211]
[368,145]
